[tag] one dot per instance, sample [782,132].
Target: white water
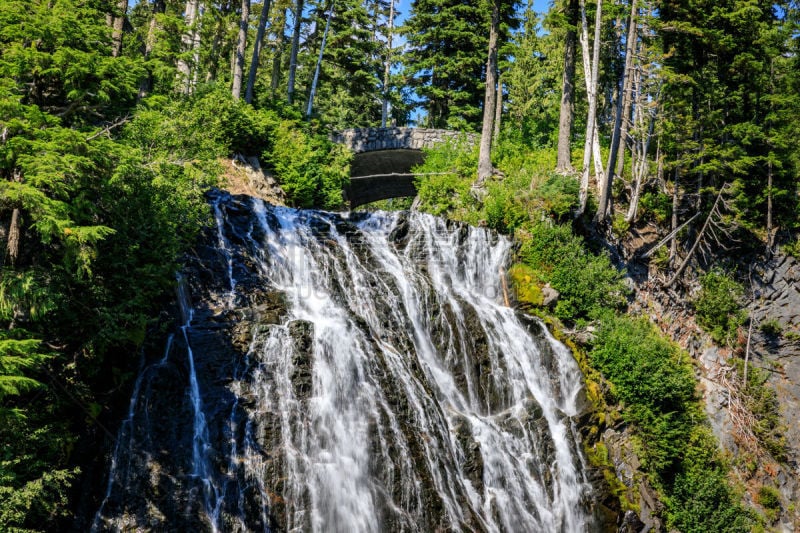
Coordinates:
[430,404]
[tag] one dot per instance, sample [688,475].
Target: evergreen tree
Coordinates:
[446,58]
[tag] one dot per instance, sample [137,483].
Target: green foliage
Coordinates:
[655,206]
[310,168]
[558,195]
[655,381]
[19,355]
[524,279]
[448,42]
[718,306]
[770,327]
[33,494]
[769,498]
[447,173]
[588,284]
[701,499]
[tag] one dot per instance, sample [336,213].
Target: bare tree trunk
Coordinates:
[319,62]
[498,110]
[673,247]
[298,18]
[639,162]
[12,245]
[485,156]
[117,26]
[262,28]
[605,194]
[699,238]
[241,47]
[770,233]
[566,113]
[627,95]
[187,41]
[591,74]
[387,67]
[277,57]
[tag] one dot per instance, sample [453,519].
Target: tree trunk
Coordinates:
[627,93]
[591,74]
[770,235]
[605,194]
[319,62]
[117,26]
[12,245]
[262,28]
[387,67]
[146,85]
[241,47]
[673,246]
[277,57]
[298,18]
[566,113]
[498,110]
[485,157]
[187,42]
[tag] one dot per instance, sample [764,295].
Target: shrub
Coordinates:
[655,381]
[311,169]
[718,307]
[769,497]
[655,206]
[588,284]
[450,169]
[558,195]
[771,327]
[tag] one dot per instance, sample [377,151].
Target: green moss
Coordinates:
[524,280]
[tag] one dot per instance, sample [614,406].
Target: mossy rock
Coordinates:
[525,281]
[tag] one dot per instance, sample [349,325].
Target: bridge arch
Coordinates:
[384,157]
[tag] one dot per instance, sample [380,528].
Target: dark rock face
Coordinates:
[350,374]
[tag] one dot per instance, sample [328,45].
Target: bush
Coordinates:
[655,206]
[769,497]
[588,284]
[558,195]
[701,499]
[655,381]
[718,307]
[771,327]
[311,169]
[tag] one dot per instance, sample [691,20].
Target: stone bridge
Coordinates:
[384,157]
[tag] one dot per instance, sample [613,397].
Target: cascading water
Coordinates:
[355,373]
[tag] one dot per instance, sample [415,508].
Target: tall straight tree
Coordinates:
[567,109]
[277,55]
[591,90]
[315,81]
[241,47]
[298,19]
[190,40]
[489,103]
[117,26]
[387,66]
[446,57]
[262,27]
[605,190]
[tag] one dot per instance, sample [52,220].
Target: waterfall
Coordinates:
[351,373]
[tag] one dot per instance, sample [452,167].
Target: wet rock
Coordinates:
[302,335]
